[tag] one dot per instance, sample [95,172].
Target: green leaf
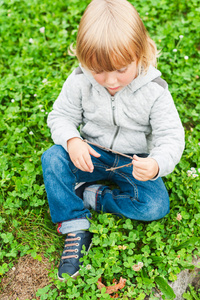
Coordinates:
[92,280]
[145,278]
[165,288]
[141,296]
[156,259]
[191,242]
[187,265]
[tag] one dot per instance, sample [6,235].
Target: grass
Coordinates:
[34,63]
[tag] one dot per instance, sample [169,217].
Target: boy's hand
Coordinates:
[79,153]
[144,168]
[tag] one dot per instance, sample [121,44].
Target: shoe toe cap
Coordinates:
[67,268]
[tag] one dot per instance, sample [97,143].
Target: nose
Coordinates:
[111,79]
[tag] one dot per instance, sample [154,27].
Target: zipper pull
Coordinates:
[113,102]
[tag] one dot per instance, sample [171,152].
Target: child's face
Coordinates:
[116,80]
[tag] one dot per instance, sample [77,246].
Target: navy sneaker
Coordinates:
[69,263]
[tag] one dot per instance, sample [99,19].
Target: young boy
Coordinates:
[121,103]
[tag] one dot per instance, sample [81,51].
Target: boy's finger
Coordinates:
[142,159]
[139,176]
[80,164]
[137,158]
[88,163]
[139,171]
[140,164]
[93,152]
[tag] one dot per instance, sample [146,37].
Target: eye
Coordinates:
[123,70]
[96,72]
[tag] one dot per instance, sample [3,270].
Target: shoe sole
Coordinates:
[75,275]
[79,184]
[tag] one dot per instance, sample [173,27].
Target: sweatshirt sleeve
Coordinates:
[66,115]
[168,137]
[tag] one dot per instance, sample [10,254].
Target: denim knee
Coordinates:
[51,156]
[157,211]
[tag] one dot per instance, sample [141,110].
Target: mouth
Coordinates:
[113,89]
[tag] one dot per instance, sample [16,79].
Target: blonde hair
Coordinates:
[112,35]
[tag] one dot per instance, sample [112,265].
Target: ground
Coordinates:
[29,274]
[25,278]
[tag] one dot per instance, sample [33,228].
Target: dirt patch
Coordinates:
[25,278]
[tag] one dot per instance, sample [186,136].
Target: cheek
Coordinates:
[99,78]
[128,78]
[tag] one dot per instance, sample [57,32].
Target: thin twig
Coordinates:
[108,149]
[113,151]
[115,168]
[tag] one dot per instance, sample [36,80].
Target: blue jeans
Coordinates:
[138,200]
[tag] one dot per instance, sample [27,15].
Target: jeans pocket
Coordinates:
[73,168]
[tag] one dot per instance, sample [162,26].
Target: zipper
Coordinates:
[113,109]
[114,121]
[115,135]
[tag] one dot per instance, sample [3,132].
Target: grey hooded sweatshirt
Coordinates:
[140,118]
